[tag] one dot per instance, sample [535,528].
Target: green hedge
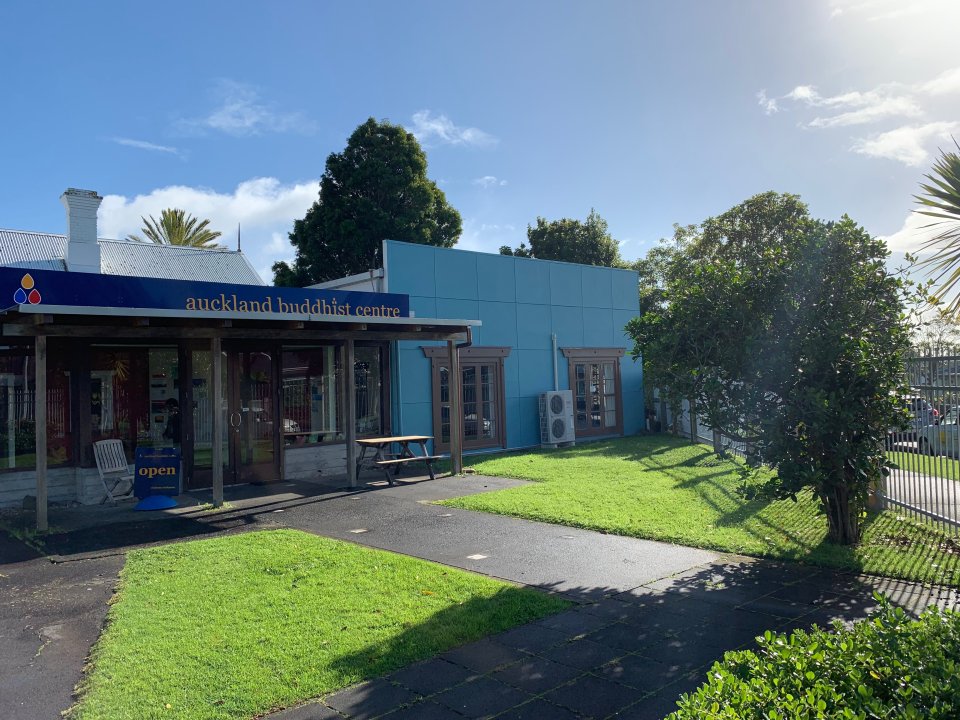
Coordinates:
[888,666]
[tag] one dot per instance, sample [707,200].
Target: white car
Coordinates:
[941,439]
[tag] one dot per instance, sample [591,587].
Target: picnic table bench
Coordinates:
[384,459]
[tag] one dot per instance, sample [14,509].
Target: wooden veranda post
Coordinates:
[216,358]
[40,429]
[350,414]
[456,410]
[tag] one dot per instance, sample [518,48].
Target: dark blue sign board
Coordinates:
[156,471]
[28,287]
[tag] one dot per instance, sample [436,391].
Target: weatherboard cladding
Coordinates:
[42,251]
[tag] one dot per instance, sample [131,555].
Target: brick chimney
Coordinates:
[83,252]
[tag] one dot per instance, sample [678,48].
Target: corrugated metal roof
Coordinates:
[118,257]
[37,251]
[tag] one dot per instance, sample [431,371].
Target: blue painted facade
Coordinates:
[520,302]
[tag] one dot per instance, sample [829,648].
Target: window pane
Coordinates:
[134,396]
[368,376]
[311,395]
[488,425]
[610,417]
[444,385]
[17,449]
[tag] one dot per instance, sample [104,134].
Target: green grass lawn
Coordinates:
[236,626]
[664,488]
[933,465]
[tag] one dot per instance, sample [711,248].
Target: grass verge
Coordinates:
[664,488]
[237,626]
[933,465]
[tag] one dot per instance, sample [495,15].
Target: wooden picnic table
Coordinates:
[384,459]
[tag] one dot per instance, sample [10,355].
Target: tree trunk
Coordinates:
[843,514]
[717,442]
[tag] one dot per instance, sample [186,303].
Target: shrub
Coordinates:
[888,666]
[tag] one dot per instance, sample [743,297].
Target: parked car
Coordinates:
[943,438]
[922,416]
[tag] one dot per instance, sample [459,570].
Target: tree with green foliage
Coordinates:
[587,243]
[786,333]
[176,227]
[376,189]
[940,200]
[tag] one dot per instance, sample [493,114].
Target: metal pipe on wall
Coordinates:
[556,376]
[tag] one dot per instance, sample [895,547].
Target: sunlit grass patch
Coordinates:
[665,488]
[236,626]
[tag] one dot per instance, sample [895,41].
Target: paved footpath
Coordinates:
[649,618]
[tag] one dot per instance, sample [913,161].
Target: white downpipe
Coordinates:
[553,345]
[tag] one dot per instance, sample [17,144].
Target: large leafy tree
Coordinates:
[940,200]
[588,242]
[176,227]
[787,332]
[376,189]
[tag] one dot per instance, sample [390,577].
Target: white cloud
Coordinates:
[884,10]
[144,145]
[489,181]
[906,144]
[873,109]
[915,232]
[488,237]
[440,129]
[768,104]
[240,112]
[858,108]
[945,83]
[806,93]
[264,208]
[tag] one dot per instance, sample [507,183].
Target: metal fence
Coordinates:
[926,480]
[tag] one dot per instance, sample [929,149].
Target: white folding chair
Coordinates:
[113,469]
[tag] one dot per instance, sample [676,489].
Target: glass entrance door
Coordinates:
[252,428]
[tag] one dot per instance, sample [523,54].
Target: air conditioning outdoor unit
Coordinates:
[556,418]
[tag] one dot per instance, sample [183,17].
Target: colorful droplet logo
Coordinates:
[21,296]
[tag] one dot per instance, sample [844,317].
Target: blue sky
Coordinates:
[651,112]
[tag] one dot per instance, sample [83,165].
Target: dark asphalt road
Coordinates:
[50,615]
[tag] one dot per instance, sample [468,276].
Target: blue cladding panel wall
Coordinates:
[497,278]
[534,326]
[625,290]
[566,284]
[411,269]
[456,275]
[533,281]
[521,303]
[568,325]
[499,324]
[598,328]
[597,286]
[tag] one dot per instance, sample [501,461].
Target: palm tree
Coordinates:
[177,228]
[941,200]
